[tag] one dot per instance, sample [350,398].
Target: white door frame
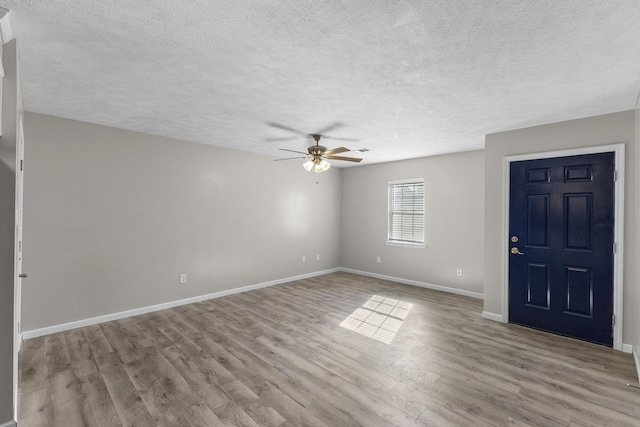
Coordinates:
[17,270]
[618,256]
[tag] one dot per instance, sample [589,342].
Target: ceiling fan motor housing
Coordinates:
[317,150]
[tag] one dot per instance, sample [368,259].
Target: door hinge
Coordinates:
[615,176]
[615,247]
[613,320]
[21,164]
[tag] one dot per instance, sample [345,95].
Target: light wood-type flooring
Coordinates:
[279,356]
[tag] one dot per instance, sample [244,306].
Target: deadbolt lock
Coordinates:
[514,239]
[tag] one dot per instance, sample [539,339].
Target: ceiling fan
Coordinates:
[317,155]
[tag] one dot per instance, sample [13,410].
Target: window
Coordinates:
[406,213]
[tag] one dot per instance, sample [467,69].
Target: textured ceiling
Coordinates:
[405,78]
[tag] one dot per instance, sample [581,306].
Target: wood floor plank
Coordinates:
[350,392]
[167,395]
[243,390]
[201,380]
[35,408]
[368,379]
[345,412]
[151,325]
[68,401]
[312,382]
[82,361]
[160,407]
[132,331]
[252,405]
[347,364]
[202,415]
[33,363]
[126,350]
[58,358]
[279,356]
[232,415]
[127,400]
[292,411]
[97,341]
[271,374]
[98,399]
[438,413]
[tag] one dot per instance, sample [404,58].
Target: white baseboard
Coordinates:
[415,283]
[9,424]
[142,310]
[627,348]
[493,316]
[636,358]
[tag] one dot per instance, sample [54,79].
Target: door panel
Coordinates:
[577,221]
[579,291]
[561,240]
[538,220]
[538,286]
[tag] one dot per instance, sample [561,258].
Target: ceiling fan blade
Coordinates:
[336,151]
[336,125]
[348,159]
[294,151]
[337,138]
[289,158]
[287,128]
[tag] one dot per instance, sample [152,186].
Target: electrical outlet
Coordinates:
[317,257]
[304,259]
[458,271]
[378,260]
[183,278]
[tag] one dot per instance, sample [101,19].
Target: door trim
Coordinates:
[618,256]
[17,262]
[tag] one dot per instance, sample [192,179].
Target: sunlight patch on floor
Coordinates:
[379,318]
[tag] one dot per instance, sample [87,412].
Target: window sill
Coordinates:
[406,244]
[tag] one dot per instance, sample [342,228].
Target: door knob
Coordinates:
[516,251]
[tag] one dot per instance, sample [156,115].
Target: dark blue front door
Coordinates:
[561,227]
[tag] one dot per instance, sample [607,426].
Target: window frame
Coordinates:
[405,243]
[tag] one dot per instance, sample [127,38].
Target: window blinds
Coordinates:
[406,211]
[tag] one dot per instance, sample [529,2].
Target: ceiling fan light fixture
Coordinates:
[321,165]
[308,165]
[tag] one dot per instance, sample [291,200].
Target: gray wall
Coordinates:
[634,245]
[11,103]
[454,207]
[112,217]
[593,131]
